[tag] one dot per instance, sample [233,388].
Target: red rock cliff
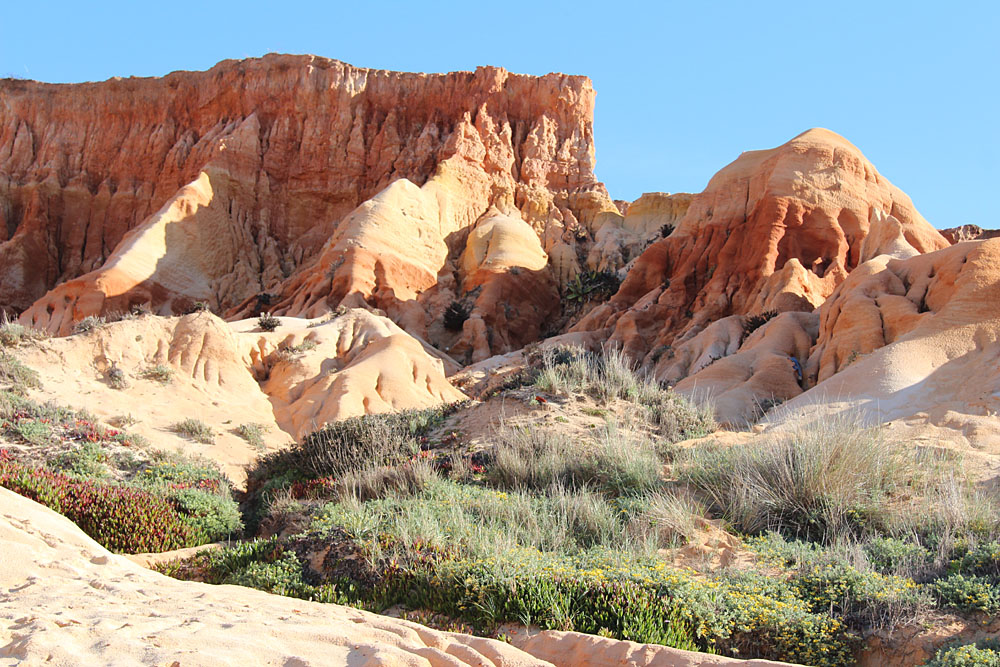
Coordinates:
[267,156]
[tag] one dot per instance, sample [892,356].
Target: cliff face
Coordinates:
[776,229]
[236,177]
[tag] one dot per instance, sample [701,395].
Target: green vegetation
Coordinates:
[15,376]
[127,498]
[116,378]
[253,434]
[196,430]
[159,373]
[589,285]
[985,653]
[268,322]
[13,334]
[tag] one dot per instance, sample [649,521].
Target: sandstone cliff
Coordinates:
[776,229]
[233,186]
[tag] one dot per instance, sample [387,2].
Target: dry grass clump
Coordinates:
[89,323]
[160,373]
[673,518]
[617,461]
[196,430]
[822,481]
[15,376]
[836,480]
[13,334]
[612,375]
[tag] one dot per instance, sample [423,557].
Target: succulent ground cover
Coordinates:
[126,496]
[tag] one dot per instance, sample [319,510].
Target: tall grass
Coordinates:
[822,481]
[616,461]
[611,375]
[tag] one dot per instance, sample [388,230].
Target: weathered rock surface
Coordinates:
[290,381]
[788,222]
[913,339]
[236,183]
[969,233]
[743,376]
[356,364]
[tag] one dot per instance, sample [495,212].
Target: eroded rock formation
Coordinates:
[776,229]
[233,186]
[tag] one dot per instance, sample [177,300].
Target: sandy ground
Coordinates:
[65,600]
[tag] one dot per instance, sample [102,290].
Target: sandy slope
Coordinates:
[65,600]
[291,381]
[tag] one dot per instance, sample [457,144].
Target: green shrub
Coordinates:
[160,373]
[16,376]
[969,593]
[268,322]
[34,432]
[355,443]
[175,471]
[196,430]
[985,653]
[211,516]
[863,599]
[121,518]
[894,556]
[982,559]
[88,460]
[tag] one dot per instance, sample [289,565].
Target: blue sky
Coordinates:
[683,87]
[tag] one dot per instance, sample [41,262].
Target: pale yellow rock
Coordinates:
[499,242]
[914,340]
[227,374]
[355,364]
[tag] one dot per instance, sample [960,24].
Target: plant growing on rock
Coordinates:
[89,323]
[753,322]
[589,285]
[268,322]
[455,315]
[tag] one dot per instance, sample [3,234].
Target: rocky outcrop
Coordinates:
[969,233]
[914,338]
[742,373]
[233,186]
[788,223]
[289,381]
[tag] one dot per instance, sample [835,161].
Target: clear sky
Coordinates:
[682,87]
